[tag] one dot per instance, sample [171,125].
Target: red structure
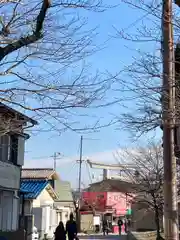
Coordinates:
[94,201]
[108,196]
[114,202]
[108,199]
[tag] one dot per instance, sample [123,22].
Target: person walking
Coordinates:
[60,233]
[120,223]
[71,228]
[128,224]
[105,227]
[125,225]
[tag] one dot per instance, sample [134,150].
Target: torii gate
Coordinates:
[106,167]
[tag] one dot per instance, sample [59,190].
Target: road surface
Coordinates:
[99,237]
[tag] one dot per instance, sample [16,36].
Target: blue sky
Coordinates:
[100,145]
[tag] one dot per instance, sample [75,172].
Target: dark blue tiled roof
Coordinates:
[32,188]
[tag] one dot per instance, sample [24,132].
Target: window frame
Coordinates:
[7,153]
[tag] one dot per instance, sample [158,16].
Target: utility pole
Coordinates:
[79,185]
[168,120]
[80,165]
[56,154]
[55,159]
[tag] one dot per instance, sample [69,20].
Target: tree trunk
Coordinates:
[157,221]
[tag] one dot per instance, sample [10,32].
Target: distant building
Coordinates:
[64,203]
[111,199]
[107,199]
[48,199]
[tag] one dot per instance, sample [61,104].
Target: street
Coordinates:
[98,237]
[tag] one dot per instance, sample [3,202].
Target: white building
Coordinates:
[65,202]
[39,203]
[48,199]
[12,141]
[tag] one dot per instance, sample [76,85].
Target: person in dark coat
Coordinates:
[125,225]
[105,227]
[71,228]
[60,233]
[120,223]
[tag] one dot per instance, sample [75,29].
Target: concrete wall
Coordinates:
[142,218]
[9,175]
[28,207]
[19,235]
[142,236]
[9,211]
[87,222]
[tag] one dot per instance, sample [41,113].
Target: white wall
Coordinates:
[15,217]
[48,221]
[65,212]
[42,199]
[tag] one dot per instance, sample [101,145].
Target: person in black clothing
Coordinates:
[71,228]
[120,223]
[125,225]
[60,233]
[105,227]
[128,224]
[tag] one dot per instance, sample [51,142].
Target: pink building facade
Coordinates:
[120,203]
[116,202]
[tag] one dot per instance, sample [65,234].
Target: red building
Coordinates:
[94,201]
[108,198]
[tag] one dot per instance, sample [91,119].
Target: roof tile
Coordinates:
[37,173]
[32,188]
[111,185]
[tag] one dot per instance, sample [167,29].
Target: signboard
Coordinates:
[96,220]
[120,202]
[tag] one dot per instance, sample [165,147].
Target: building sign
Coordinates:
[120,202]
[96,220]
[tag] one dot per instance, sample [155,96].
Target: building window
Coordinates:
[14,149]
[8,148]
[5,148]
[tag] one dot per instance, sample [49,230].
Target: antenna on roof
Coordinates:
[56,154]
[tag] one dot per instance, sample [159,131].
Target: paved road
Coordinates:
[123,237]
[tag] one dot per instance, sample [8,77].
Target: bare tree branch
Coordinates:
[43,47]
[148,179]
